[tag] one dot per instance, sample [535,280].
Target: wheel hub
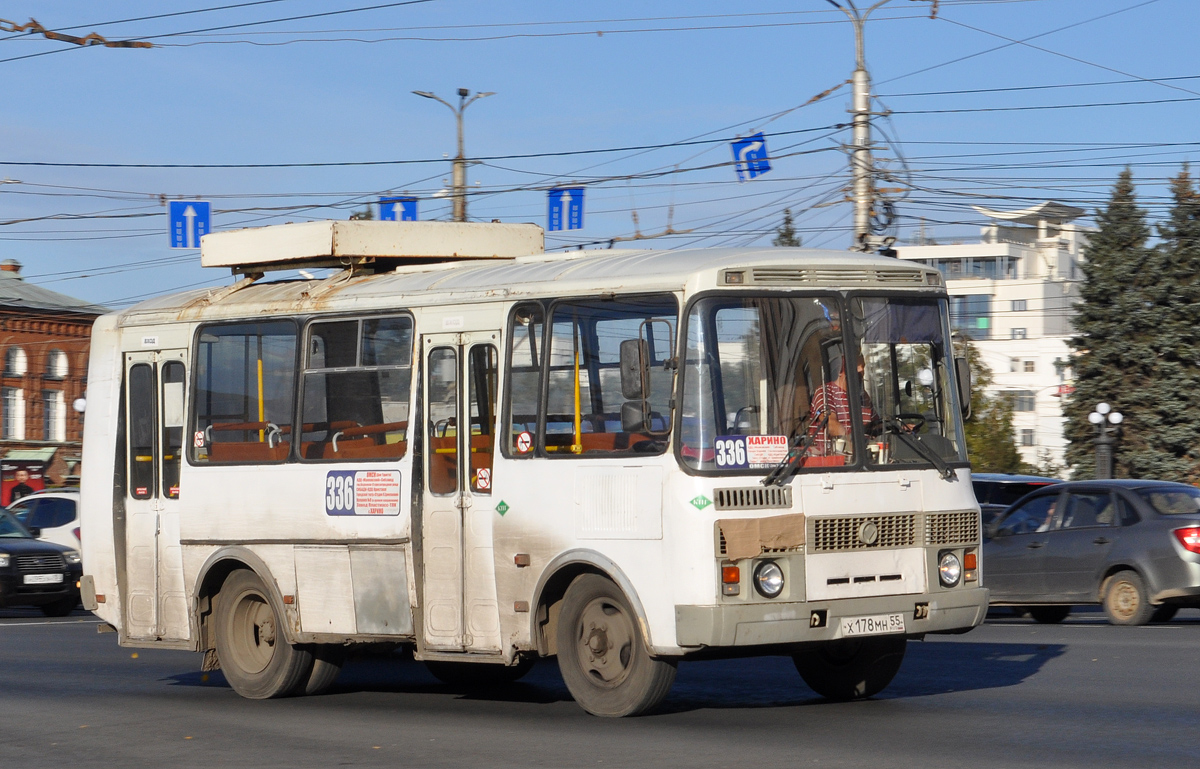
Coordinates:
[606,637]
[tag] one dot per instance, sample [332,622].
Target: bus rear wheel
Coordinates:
[256,659]
[851,668]
[601,654]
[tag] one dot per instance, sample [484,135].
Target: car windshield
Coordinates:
[1172,501]
[10,528]
[768,372]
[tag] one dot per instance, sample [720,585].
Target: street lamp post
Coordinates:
[1106,422]
[459,177]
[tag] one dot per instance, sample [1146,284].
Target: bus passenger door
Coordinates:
[461,611]
[155,607]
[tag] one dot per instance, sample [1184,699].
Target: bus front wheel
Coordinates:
[851,668]
[601,654]
[256,658]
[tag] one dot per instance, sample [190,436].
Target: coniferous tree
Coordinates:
[1116,328]
[786,234]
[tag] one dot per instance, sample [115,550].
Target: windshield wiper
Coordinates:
[789,464]
[897,427]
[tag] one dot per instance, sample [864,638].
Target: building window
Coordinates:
[1018,305]
[1026,436]
[1030,366]
[15,362]
[13,428]
[54,415]
[971,314]
[1018,333]
[1014,365]
[56,365]
[1024,400]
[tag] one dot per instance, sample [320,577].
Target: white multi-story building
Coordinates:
[1012,293]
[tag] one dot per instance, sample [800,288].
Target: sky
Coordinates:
[996,103]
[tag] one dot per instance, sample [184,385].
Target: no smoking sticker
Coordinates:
[524,443]
[198,439]
[483,480]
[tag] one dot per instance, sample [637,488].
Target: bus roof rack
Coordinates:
[365,245]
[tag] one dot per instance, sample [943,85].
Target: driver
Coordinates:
[829,413]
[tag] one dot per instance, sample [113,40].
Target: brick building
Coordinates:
[44,339]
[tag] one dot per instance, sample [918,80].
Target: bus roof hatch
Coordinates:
[368,245]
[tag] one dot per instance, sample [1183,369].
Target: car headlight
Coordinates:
[4,560]
[949,569]
[768,579]
[73,557]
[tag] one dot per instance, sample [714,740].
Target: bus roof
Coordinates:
[591,272]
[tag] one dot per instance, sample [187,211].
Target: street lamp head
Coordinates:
[1116,417]
[1103,408]
[426,94]
[485,93]
[1095,417]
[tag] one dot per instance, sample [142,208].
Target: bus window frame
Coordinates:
[193,378]
[544,395]
[753,292]
[505,424]
[306,322]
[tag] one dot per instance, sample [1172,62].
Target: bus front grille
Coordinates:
[862,532]
[753,498]
[952,528]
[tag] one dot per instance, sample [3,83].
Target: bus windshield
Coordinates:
[766,374]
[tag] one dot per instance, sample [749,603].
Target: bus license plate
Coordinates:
[43,579]
[876,624]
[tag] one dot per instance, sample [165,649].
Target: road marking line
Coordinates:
[66,622]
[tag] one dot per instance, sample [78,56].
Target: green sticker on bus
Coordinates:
[502,508]
[701,502]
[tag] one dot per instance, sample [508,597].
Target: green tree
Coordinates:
[991,444]
[786,235]
[364,214]
[1116,326]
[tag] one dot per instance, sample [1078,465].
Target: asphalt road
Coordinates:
[1011,693]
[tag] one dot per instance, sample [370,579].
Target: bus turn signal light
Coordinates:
[731,580]
[969,561]
[1189,538]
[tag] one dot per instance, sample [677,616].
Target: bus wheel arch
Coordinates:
[552,588]
[213,574]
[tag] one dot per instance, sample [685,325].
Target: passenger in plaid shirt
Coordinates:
[832,399]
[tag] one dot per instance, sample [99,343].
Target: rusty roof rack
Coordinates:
[365,246]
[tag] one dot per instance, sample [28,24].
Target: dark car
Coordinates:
[995,492]
[1131,546]
[36,573]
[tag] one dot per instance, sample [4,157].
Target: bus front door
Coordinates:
[156,607]
[459,583]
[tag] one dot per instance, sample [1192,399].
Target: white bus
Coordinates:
[494,454]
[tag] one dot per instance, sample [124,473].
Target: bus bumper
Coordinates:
[756,624]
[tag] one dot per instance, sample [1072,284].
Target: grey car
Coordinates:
[996,492]
[1131,546]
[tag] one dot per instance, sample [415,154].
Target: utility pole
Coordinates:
[459,176]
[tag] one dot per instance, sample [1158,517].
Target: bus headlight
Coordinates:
[768,579]
[949,569]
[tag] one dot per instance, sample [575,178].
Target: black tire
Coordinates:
[851,668]
[1049,615]
[601,653]
[62,607]
[256,659]
[327,664]
[479,675]
[1125,599]
[1164,613]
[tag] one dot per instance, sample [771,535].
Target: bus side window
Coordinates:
[172,429]
[245,393]
[525,333]
[142,405]
[357,380]
[483,360]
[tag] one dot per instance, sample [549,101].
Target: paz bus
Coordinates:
[460,443]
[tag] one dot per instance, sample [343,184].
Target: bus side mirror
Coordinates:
[635,369]
[633,417]
[962,369]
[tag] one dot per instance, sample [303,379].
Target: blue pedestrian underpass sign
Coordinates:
[750,157]
[190,220]
[566,209]
[398,209]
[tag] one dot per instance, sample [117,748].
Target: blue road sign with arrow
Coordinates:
[750,157]
[190,220]
[566,209]
[398,209]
